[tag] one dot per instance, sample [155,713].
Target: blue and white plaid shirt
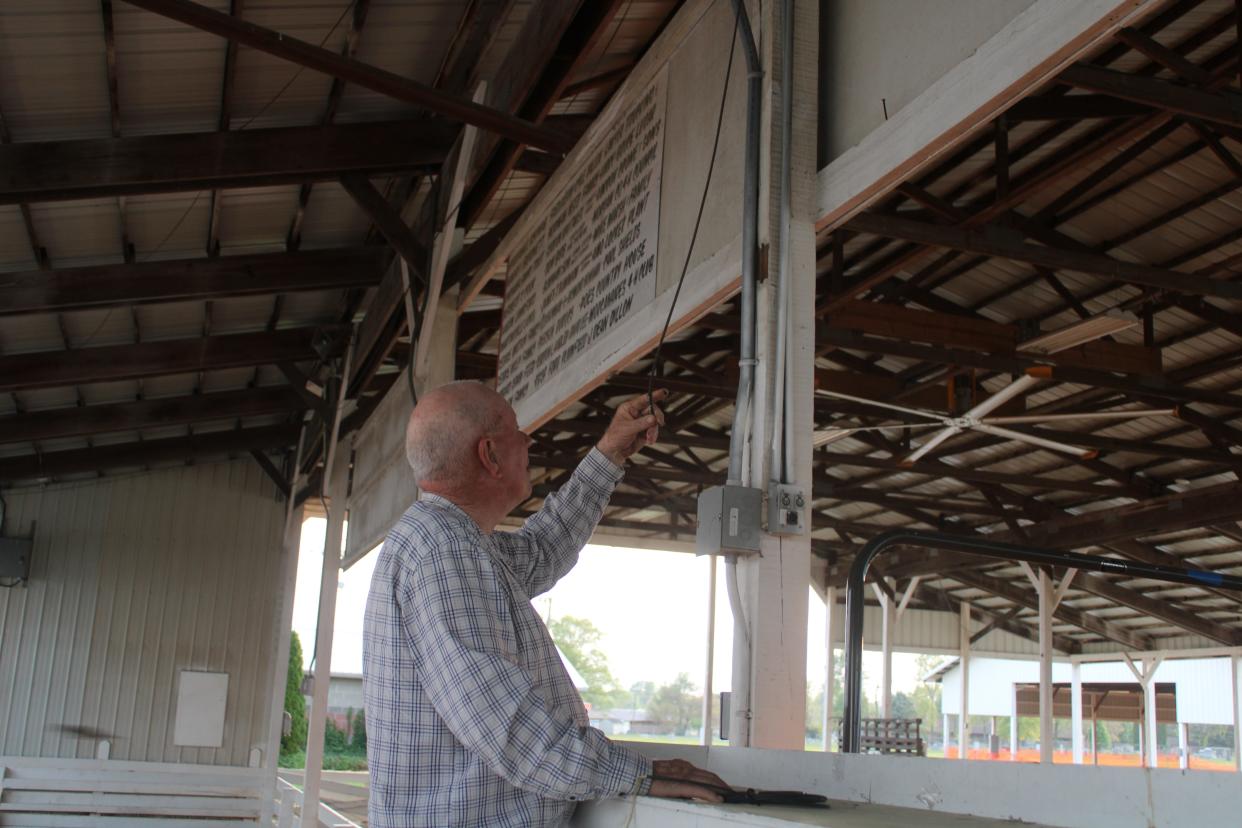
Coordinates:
[472,719]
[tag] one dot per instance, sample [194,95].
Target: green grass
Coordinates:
[331,761]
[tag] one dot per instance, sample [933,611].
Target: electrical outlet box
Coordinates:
[786,507]
[729,521]
[15,558]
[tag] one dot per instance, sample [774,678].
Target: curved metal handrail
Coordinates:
[854,593]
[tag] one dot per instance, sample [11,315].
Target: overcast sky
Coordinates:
[650,606]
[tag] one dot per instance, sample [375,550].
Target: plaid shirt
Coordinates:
[472,719]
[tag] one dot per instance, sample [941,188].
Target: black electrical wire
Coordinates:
[711,168]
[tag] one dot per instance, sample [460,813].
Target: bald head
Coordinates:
[445,428]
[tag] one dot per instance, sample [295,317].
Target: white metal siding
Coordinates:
[134,579]
[933,631]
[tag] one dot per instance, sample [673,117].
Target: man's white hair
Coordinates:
[440,439]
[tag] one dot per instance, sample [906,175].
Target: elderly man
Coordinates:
[472,719]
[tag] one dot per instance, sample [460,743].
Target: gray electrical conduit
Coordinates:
[740,735]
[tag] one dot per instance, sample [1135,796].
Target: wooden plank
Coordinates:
[54,170]
[47,291]
[48,369]
[96,458]
[38,426]
[1112,356]
[355,72]
[989,242]
[926,326]
[1218,107]
[1027,53]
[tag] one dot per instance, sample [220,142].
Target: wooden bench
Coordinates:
[77,793]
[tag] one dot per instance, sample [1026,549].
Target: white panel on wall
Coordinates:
[201,701]
[134,579]
[383,486]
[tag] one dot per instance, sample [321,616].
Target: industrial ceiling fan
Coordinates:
[979,418]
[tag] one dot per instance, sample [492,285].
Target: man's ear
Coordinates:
[487,457]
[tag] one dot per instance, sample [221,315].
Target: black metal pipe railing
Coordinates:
[854,593]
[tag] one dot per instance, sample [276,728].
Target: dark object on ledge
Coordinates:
[752,796]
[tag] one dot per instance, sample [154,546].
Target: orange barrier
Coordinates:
[1115,760]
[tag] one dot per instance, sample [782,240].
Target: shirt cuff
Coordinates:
[629,773]
[599,470]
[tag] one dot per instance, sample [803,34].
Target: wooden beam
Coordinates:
[58,170]
[997,242]
[97,286]
[925,326]
[1154,608]
[1161,387]
[1027,598]
[49,369]
[476,254]
[1073,108]
[269,468]
[85,421]
[1218,107]
[355,72]
[59,463]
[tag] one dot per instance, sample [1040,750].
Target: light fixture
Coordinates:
[1079,333]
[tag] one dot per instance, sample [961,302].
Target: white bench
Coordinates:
[77,793]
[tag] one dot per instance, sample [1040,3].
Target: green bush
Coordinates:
[295,704]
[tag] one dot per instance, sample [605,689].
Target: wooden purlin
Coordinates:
[91,168]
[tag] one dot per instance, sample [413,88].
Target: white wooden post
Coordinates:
[774,585]
[1149,703]
[1076,708]
[964,643]
[336,482]
[328,582]
[711,652]
[830,631]
[887,623]
[1013,725]
[1046,734]
[1236,672]
[1183,745]
[945,725]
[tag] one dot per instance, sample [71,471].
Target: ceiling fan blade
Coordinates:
[1002,396]
[1086,415]
[1085,454]
[936,439]
[939,418]
[823,437]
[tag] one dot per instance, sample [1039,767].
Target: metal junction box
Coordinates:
[15,558]
[729,521]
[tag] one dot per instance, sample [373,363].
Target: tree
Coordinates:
[295,703]
[577,638]
[903,707]
[641,694]
[676,705]
[359,741]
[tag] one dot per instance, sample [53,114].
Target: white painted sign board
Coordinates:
[592,265]
[201,701]
[590,262]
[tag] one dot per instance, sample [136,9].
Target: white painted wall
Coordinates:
[1204,694]
[933,631]
[134,579]
[892,50]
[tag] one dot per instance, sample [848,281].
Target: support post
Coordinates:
[1076,710]
[336,481]
[1151,742]
[944,717]
[964,721]
[774,584]
[1236,662]
[1013,725]
[1046,734]
[889,621]
[1183,745]
[706,739]
[830,630]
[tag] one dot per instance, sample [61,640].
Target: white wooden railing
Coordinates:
[287,809]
